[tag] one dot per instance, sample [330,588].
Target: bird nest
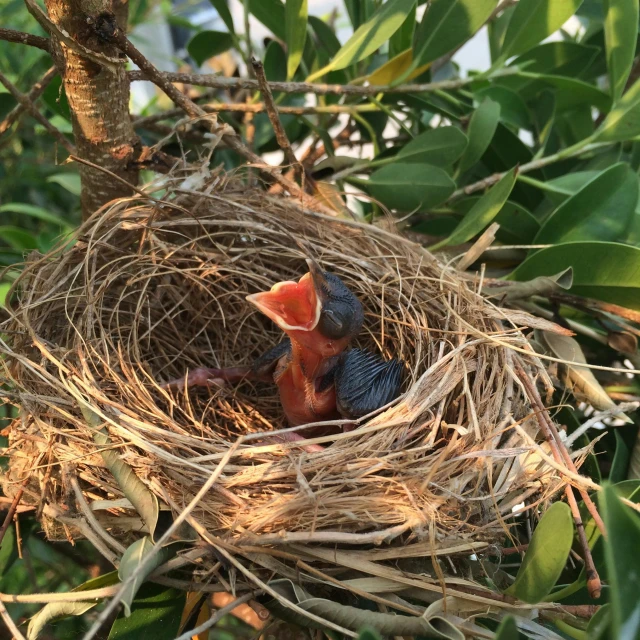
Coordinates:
[149,289]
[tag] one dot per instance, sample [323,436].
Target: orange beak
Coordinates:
[291,305]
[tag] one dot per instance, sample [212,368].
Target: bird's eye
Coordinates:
[333,318]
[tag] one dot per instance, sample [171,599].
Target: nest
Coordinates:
[150,289]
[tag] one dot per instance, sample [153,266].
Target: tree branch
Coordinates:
[34,113]
[36,91]
[218,82]
[11,35]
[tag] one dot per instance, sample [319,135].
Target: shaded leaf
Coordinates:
[275,62]
[326,37]
[296,28]
[410,187]
[207,44]
[533,21]
[483,211]
[402,39]
[35,212]
[370,36]
[507,630]
[546,556]
[603,270]
[155,615]
[132,558]
[512,107]
[620,36]
[623,121]
[271,14]
[54,611]
[17,238]
[599,625]
[602,210]
[222,7]
[9,546]
[482,126]
[440,147]
[446,25]
[68,181]
[623,563]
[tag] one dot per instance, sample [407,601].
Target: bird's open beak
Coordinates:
[291,305]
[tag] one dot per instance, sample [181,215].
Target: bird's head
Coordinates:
[318,311]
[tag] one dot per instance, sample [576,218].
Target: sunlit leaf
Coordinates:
[533,21]
[623,121]
[623,563]
[222,7]
[296,29]
[620,36]
[394,68]
[370,36]
[602,210]
[546,555]
[68,181]
[482,126]
[446,25]
[410,187]
[603,270]
[208,44]
[483,211]
[440,147]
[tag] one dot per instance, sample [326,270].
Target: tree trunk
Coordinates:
[99,102]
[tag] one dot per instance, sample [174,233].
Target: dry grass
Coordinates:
[151,289]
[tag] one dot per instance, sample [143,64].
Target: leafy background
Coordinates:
[545,142]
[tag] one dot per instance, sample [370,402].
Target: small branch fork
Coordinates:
[562,456]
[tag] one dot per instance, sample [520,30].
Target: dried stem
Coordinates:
[281,135]
[548,429]
[36,91]
[33,112]
[11,625]
[12,510]
[11,35]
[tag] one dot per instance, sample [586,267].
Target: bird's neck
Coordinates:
[308,365]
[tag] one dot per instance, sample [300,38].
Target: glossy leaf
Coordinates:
[222,7]
[370,36]
[482,126]
[533,21]
[603,270]
[546,556]
[623,563]
[207,44]
[440,147]
[271,14]
[623,121]
[155,615]
[296,29]
[410,187]
[602,210]
[620,36]
[484,210]
[446,25]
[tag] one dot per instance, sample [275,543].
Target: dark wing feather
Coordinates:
[264,367]
[365,382]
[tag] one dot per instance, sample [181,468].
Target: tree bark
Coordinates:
[99,102]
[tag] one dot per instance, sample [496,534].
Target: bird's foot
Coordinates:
[206,377]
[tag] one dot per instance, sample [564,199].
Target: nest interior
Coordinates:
[150,289]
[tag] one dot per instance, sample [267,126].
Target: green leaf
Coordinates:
[483,211]
[35,212]
[296,29]
[446,25]
[599,626]
[17,238]
[9,546]
[623,121]
[561,58]
[271,14]
[155,615]
[606,271]
[410,187]
[369,36]
[132,558]
[620,36]
[602,210]
[54,611]
[369,634]
[207,44]
[402,39]
[482,126]
[275,62]
[507,630]
[513,109]
[325,36]
[623,563]
[69,181]
[4,292]
[546,556]
[222,7]
[533,21]
[440,147]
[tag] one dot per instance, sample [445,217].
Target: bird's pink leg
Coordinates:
[206,377]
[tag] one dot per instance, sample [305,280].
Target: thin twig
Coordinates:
[11,35]
[11,625]
[219,82]
[594,584]
[36,91]
[216,617]
[267,96]
[12,509]
[34,113]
